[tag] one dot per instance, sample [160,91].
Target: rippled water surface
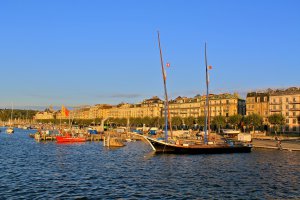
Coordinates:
[33,170]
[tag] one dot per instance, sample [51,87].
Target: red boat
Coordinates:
[68,138]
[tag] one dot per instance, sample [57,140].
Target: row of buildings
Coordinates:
[264,103]
[268,102]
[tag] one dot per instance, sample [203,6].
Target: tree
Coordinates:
[176,121]
[155,122]
[146,121]
[235,120]
[253,120]
[200,121]
[189,121]
[276,120]
[219,121]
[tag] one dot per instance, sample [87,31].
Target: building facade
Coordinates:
[278,101]
[258,103]
[44,115]
[220,105]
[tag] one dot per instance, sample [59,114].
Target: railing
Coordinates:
[294,109]
[293,102]
[275,103]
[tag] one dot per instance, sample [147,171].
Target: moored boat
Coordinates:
[193,146]
[10,130]
[68,138]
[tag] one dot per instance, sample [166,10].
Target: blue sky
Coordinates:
[88,52]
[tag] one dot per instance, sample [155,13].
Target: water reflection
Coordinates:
[91,171]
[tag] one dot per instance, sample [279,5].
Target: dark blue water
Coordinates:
[32,170]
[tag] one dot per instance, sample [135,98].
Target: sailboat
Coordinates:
[196,146]
[10,129]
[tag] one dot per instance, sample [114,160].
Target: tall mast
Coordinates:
[207,121]
[11,114]
[167,113]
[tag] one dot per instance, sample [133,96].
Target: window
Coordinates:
[287,99]
[257,99]
[265,98]
[287,113]
[294,128]
[294,99]
[227,101]
[287,107]
[294,121]
[287,121]
[294,114]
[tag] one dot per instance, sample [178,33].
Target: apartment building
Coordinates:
[220,105]
[276,101]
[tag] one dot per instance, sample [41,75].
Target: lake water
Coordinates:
[33,170]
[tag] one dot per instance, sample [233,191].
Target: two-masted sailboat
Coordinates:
[192,146]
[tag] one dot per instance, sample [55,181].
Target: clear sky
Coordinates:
[88,52]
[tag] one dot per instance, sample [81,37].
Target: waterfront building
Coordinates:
[287,103]
[220,105]
[277,101]
[258,103]
[47,114]
[148,108]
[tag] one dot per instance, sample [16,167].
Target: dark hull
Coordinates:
[161,147]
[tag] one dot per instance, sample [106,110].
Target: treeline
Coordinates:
[236,121]
[5,114]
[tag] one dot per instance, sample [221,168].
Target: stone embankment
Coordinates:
[281,144]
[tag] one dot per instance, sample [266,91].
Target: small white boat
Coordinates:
[10,130]
[230,131]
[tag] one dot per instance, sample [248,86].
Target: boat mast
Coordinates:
[167,113]
[207,122]
[11,115]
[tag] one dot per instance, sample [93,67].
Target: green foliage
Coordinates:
[119,121]
[136,121]
[189,121]
[5,114]
[219,121]
[146,121]
[200,120]
[155,122]
[176,121]
[277,119]
[235,120]
[254,120]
